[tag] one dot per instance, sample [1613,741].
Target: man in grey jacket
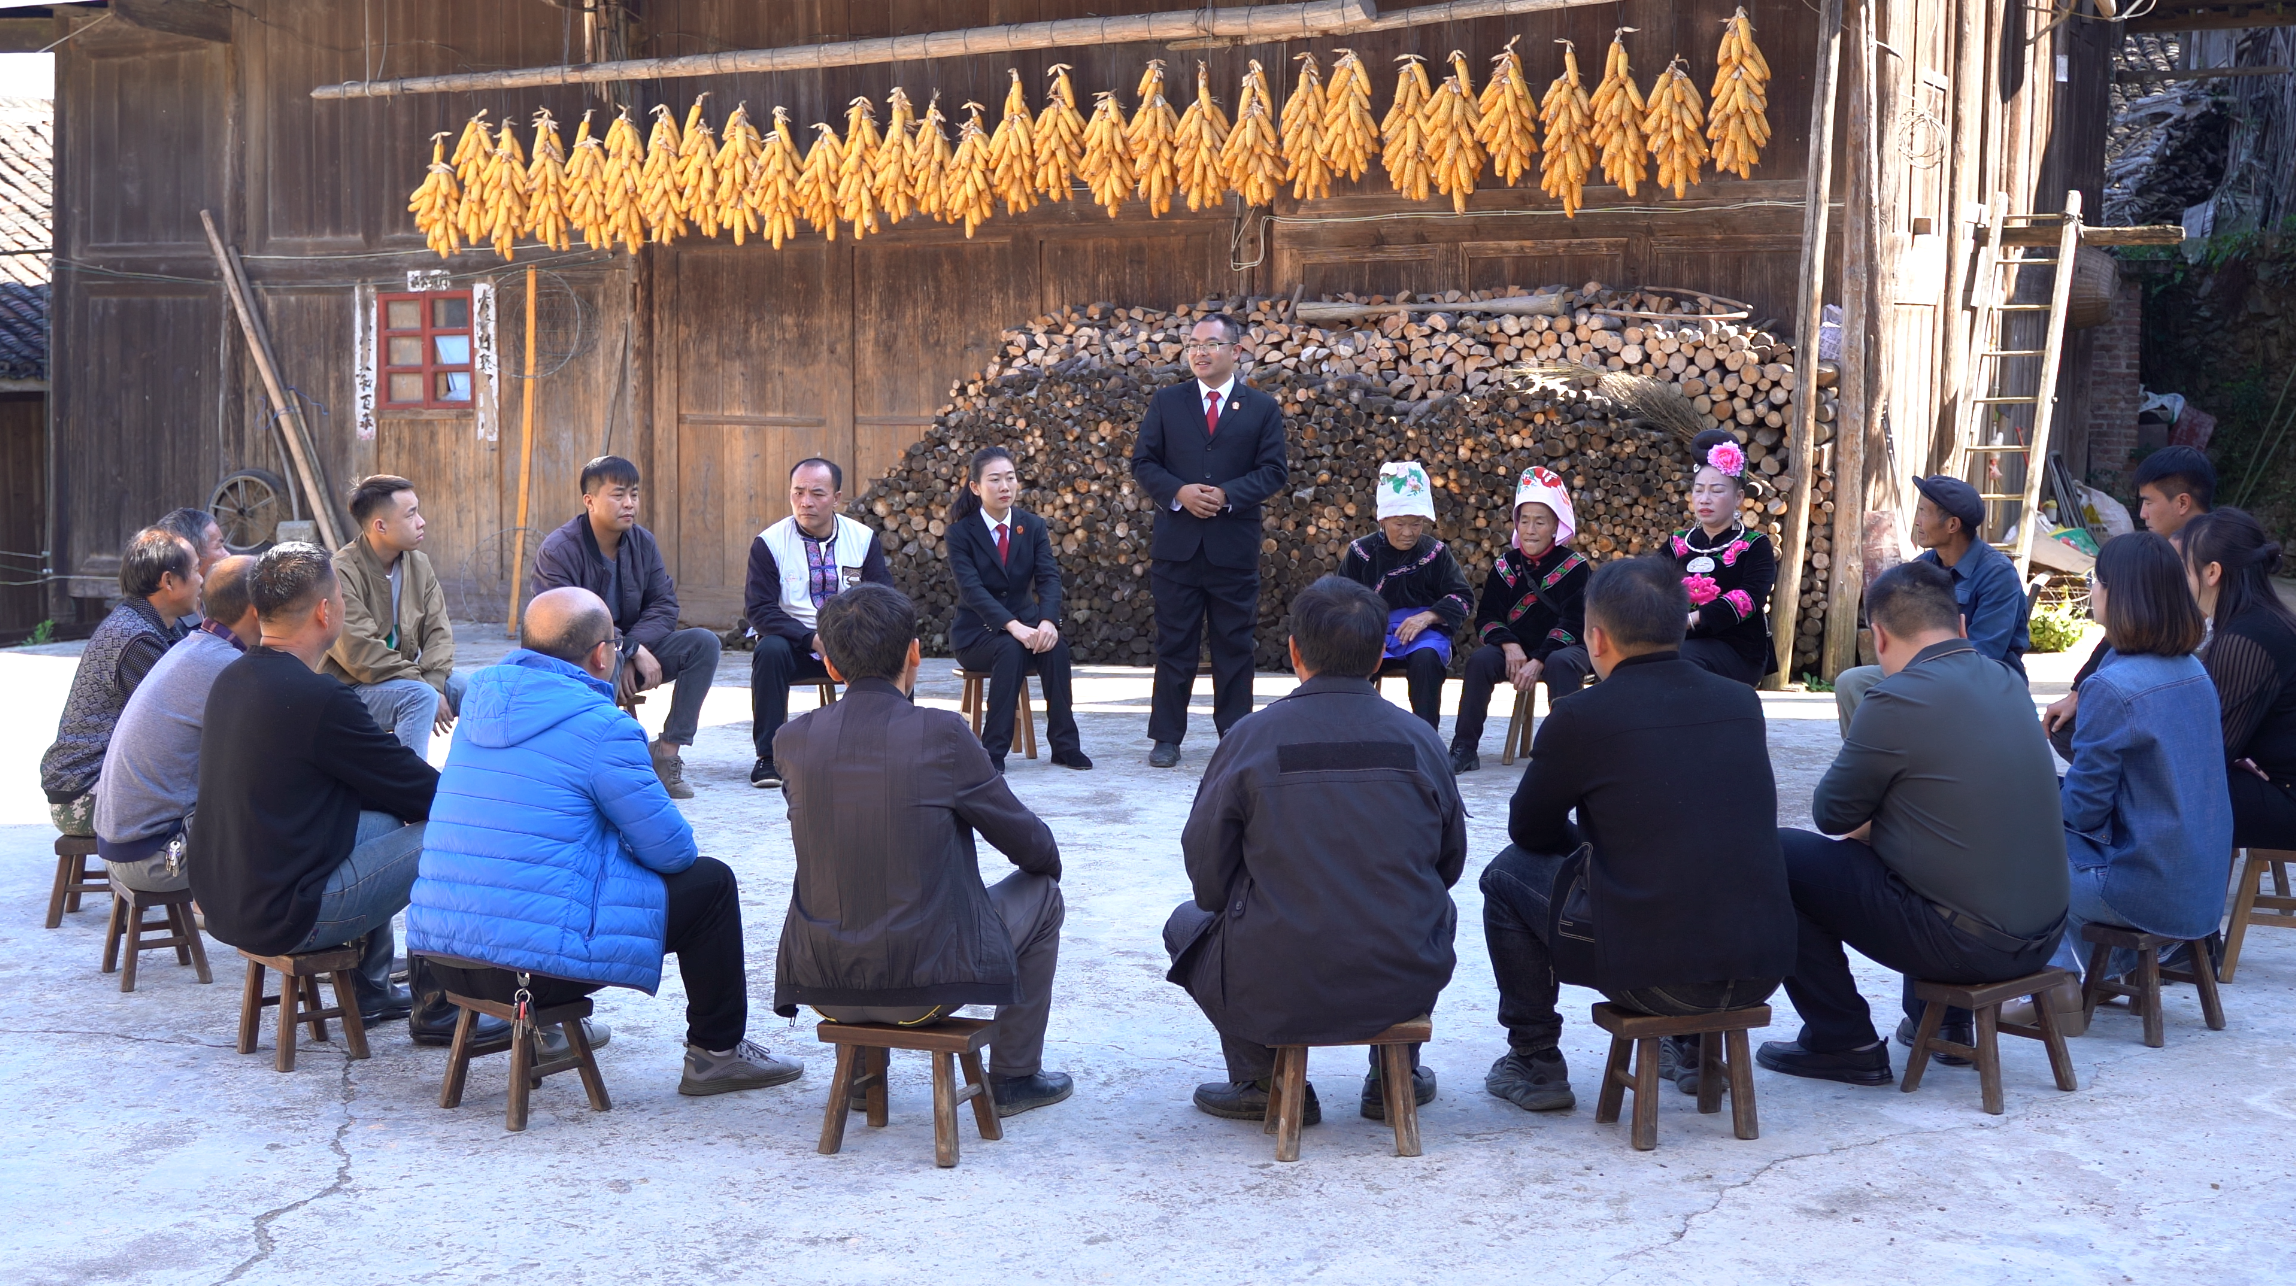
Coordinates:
[888,919]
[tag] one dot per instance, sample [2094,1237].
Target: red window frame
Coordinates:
[436,376]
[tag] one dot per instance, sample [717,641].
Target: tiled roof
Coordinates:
[23,331]
[27,204]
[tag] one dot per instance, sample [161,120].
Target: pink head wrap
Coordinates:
[1545,486]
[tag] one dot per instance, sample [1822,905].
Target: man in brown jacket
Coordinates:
[397,648]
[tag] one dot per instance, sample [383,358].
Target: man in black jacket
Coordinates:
[1672,867]
[1325,838]
[1209,453]
[888,919]
[310,816]
[604,550]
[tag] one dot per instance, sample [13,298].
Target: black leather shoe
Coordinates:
[1465,759]
[1533,1081]
[1076,759]
[1850,1067]
[1907,1029]
[1374,1103]
[1249,1102]
[1678,1062]
[1018,1094]
[389,1006]
[764,775]
[1165,755]
[428,1026]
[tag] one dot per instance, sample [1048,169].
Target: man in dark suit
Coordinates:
[1209,452]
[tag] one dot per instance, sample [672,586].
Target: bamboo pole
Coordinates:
[525,459]
[1250,23]
[1854,429]
[1786,598]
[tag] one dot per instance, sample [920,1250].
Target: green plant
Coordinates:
[44,632]
[2057,628]
[1813,683]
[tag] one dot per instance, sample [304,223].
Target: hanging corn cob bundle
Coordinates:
[1350,138]
[1451,121]
[889,182]
[931,161]
[1252,159]
[970,195]
[625,186]
[1152,139]
[1569,150]
[1305,166]
[1202,132]
[857,168]
[658,180]
[1737,123]
[435,203]
[1403,131]
[1675,123]
[546,215]
[1508,128]
[1618,113]
[505,193]
[1059,137]
[697,172]
[817,181]
[1106,166]
[1012,151]
[736,169]
[473,152]
[586,188]
[772,190]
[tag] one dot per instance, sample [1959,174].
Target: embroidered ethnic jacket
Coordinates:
[1732,600]
[1537,604]
[1422,578]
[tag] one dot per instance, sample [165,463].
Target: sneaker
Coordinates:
[764,775]
[1373,1105]
[1868,1066]
[554,1044]
[747,1066]
[2064,1005]
[1165,755]
[1018,1094]
[671,770]
[1678,1062]
[1533,1081]
[1249,1102]
[1464,759]
[1907,1029]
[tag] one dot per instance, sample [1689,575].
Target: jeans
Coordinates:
[1006,661]
[777,663]
[1850,687]
[1518,894]
[365,892]
[1564,672]
[1423,672]
[1843,893]
[408,708]
[2087,906]
[689,660]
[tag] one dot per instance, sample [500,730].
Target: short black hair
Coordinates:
[576,637]
[608,468]
[372,493]
[1230,326]
[836,475]
[2149,609]
[289,578]
[2179,471]
[1340,627]
[228,591]
[189,523]
[151,554]
[1913,598]
[866,631]
[1639,602]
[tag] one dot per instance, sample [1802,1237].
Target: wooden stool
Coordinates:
[824,690]
[974,701]
[78,870]
[1287,1096]
[2250,904]
[128,906]
[1639,1034]
[298,999]
[948,1041]
[1518,742]
[2144,997]
[1984,1001]
[527,1067]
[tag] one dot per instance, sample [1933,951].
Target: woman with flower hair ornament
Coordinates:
[1727,567]
[1531,618]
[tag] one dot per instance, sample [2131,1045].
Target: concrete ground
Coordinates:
[141,1148]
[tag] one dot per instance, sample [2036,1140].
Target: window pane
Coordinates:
[403,314]
[406,388]
[453,350]
[453,386]
[406,350]
[451,314]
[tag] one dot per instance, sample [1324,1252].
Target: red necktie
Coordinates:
[1004,544]
[1211,413]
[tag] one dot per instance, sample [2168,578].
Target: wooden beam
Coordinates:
[2125,77]
[2142,234]
[1858,408]
[2212,17]
[1260,22]
[28,35]
[199,19]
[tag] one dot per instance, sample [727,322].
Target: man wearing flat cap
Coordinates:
[1949,523]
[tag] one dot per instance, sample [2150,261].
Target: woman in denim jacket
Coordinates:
[2148,822]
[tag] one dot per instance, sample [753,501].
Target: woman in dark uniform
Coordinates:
[1008,607]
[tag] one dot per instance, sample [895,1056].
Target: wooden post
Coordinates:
[525,460]
[1786,598]
[1858,407]
[1965,144]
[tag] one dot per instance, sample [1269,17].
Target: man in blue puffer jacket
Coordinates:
[553,849]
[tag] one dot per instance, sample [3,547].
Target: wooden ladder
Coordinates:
[2001,379]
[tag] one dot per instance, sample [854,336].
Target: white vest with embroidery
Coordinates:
[787,545]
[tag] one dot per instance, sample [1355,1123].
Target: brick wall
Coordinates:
[2111,427]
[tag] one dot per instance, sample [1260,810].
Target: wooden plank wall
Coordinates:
[23,510]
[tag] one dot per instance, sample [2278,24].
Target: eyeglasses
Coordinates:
[1207,348]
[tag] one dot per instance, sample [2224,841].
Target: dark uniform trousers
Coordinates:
[1191,596]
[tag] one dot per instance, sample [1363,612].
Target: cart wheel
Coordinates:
[249,504]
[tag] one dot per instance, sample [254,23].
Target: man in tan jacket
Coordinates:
[397,649]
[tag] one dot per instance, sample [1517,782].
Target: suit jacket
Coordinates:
[1024,586]
[887,905]
[1246,458]
[1669,769]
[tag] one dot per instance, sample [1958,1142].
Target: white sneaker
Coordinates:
[747,1066]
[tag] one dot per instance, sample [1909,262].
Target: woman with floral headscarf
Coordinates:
[1531,619]
[1427,595]
[1727,567]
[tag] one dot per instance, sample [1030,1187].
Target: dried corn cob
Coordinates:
[586,188]
[772,190]
[1202,133]
[658,180]
[505,193]
[1618,113]
[1106,166]
[1252,159]
[1012,151]
[697,171]
[1738,123]
[1152,138]
[857,168]
[1350,138]
[473,152]
[1403,131]
[970,194]
[1305,166]
[625,163]
[1675,123]
[931,162]
[1059,137]
[1451,121]
[1509,130]
[736,165]
[1568,153]
[817,181]
[436,202]
[889,184]
[546,215]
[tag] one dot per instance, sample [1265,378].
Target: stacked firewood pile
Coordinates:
[1476,396]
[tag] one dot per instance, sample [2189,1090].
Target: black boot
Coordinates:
[379,1000]
[435,1016]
